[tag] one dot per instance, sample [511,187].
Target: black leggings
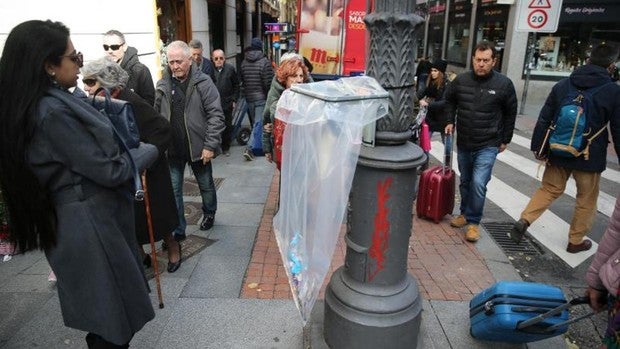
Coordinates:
[95,341]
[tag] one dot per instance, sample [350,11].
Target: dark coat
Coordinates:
[485,109]
[154,129]
[606,108]
[204,118]
[73,153]
[436,114]
[227,83]
[140,80]
[256,75]
[207,67]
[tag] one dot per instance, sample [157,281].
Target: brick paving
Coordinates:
[445,265]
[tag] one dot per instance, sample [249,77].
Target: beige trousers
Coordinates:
[553,185]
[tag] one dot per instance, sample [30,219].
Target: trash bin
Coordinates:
[322,140]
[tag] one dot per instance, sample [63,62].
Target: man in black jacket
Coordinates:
[483,103]
[256,75]
[140,80]
[227,84]
[604,108]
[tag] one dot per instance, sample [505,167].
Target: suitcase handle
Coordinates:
[575,301]
[447,156]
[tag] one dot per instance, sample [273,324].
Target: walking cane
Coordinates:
[149,222]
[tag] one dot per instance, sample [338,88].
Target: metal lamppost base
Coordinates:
[373,317]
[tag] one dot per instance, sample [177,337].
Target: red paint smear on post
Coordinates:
[382,229]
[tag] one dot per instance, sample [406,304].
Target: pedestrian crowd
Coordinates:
[66,171]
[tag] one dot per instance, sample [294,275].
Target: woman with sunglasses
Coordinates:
[154,129]
[67,186]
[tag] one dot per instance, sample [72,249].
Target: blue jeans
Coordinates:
[255,109]
[204,177]
[476,168]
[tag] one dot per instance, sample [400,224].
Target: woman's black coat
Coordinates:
[154,129]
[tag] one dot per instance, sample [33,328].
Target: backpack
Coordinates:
[570,135]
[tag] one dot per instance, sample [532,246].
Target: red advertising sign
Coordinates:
[353,61]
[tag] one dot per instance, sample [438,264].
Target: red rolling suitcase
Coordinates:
[436,188]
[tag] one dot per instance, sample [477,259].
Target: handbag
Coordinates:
[120,113]
[425,137]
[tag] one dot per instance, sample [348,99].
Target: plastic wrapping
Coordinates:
[322,139]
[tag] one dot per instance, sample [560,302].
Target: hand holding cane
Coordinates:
[149,222]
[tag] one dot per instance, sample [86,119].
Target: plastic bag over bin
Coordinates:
[322,139]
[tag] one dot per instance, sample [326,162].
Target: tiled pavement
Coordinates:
[446,267]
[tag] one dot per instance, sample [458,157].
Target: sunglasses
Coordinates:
[218,58]
[90,82]
[76,58]
[113,47]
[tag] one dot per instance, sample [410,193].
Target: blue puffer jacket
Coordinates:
[606,108]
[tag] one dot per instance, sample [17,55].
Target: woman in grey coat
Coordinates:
[67,186]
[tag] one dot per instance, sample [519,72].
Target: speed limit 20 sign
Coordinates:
[540,16]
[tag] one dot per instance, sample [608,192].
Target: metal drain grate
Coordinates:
[499,231]
[190,187]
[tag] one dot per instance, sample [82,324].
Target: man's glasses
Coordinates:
[113,47]
[90,82]
[218,58]
[76,58]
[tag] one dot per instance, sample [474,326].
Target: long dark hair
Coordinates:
[23,82]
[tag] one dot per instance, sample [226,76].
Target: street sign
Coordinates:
[539,16]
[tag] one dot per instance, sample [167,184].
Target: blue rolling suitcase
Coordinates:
[520,312]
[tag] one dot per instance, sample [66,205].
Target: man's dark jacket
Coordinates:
[256,75]
[605,108]
[485,109]
[227,83]
[140,80]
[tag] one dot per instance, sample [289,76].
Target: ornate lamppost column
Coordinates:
[372,302]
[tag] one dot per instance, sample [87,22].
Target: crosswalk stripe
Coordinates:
[609,173]
[605,203]
[550,230]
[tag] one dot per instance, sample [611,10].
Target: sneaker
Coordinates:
[247,155]
[227,153]
[207,222]
[517,233]
[583,246]
[51,277]
[458,221]
[473,233]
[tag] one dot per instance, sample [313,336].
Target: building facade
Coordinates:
[455,26]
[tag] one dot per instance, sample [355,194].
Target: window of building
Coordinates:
[581,27]
[458,32]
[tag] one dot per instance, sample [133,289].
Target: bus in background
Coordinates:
[331,34]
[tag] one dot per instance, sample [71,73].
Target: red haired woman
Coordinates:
[291,71]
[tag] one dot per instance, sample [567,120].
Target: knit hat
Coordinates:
[256,43]
[440,65]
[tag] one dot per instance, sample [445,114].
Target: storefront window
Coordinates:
[436,22]
[491,26]
[458,32]
[581,27]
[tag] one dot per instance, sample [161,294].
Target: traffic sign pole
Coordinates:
[528,69]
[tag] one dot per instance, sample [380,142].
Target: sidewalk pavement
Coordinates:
[234,293]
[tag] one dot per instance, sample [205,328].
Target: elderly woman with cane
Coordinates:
[153,129]
[67,182]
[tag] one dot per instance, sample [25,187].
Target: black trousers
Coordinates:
[95,341]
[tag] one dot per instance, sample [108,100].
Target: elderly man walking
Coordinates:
[204,64]
[189,99]
[227,83]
